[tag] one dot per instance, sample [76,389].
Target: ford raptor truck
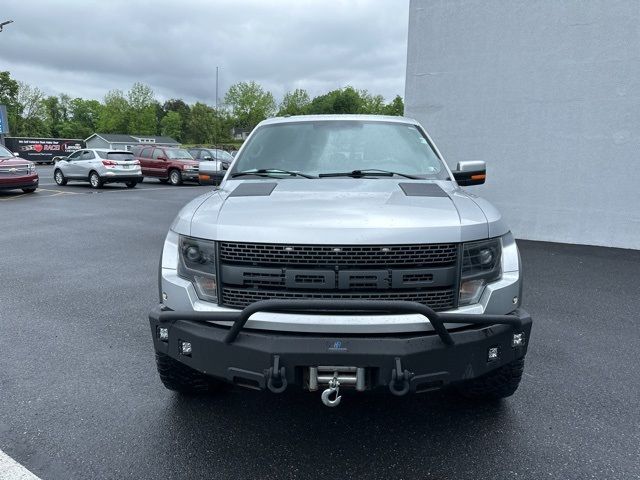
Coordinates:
[340,252]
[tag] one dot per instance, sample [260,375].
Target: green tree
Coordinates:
[371,104]
[179,106]
[201,124]
[395,107]
[171,125]
[294,103]
[32,120]
[341,101]
[142,110]
[249,103]
[114,115]
[9,97]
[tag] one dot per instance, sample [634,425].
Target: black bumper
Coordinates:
[432,359]
[122,179]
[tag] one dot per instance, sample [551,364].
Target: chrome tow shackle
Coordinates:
[334,388]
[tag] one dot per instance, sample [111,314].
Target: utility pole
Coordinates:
[217,122]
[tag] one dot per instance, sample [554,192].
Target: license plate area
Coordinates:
[349,377]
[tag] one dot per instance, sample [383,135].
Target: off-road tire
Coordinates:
[175,177]
[181,378]
[500,383]
[58,176]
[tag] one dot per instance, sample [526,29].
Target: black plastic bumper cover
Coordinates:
[434,359]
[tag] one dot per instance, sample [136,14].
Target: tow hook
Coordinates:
[276,377]
[399,384]
[334,387]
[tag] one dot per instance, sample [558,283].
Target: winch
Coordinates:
[334,377]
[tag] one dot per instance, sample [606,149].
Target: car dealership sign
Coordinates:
[43,149]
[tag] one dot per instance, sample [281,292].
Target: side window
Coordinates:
[145,152]
[158,153]
[74,156]
[88,155]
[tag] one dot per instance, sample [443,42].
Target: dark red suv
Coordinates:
[174,165]
[17,173]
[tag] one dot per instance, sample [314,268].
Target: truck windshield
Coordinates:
[4,152]
[320,147]
[178,153]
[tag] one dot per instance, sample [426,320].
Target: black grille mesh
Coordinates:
[240,297]
[323,255]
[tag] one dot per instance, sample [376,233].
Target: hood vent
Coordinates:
[422,189]
[253,189]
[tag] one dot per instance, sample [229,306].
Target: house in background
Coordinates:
[118,141]
[240,133]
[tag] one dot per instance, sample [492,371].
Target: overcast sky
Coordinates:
[85,48]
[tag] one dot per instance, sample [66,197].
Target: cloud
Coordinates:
[86,48]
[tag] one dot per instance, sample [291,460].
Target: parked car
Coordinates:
[99,166]
[221,161]
[168,164]
[17,173]
[340,251]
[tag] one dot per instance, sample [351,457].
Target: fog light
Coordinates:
[517,340]
[185,348]
[493,354]
[163,334]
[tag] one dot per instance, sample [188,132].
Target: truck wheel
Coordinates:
[175,177]
[180,378]
[500,383]
[95,180]
[59,177]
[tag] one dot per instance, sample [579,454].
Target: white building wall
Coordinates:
[547,92]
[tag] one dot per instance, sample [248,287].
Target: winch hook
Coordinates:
[334,387]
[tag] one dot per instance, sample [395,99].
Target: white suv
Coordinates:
[99,166]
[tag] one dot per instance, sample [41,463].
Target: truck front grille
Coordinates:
[265,253]
[424,273]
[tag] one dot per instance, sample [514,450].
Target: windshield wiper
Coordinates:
[367,172]
[269,171]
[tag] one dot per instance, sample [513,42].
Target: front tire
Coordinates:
[175,177]
[180,378]
[131,184]
[95,180]
[58,176]
[500,383]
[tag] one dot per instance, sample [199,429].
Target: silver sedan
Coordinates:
[99,166]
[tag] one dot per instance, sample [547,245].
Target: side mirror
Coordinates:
[16,154]
[470,173]
[208,157]
[208,172]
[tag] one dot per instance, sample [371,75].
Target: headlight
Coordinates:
[481,264]
[31,168]
[198,264]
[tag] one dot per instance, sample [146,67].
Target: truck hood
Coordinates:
[339,211]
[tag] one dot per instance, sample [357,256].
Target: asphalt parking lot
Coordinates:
[80,398]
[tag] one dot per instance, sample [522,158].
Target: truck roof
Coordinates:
[316,118]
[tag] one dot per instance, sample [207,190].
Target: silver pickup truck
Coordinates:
[339,252]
